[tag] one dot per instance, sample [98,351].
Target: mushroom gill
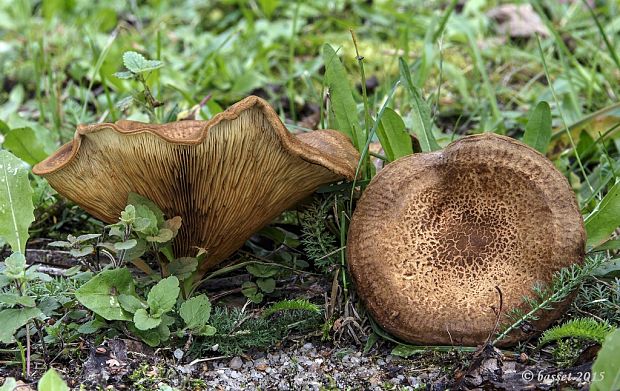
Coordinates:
[226,177]
[435,233]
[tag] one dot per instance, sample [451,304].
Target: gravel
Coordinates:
[309,367]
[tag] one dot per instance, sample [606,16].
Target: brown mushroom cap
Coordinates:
[434,233]
[226,177]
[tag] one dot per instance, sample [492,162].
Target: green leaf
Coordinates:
[144,321]
[196,312]
[343,109]
[16,208]
[86,237]
[136,63]
[11,299]
[13,319]
[130,303]
[128,215]
[92,326]
[538,129]
[609,268]
[606,368]
[206,331]
[183,267]
[124,75]
[263,271]
[605,219]
[100,294]
[27,145]
[164,235]
[146,221]
[10,384]
[126,245]
[51,381]
[394,139]
[421,113]
[15,266]
[163,296]
[136,200]
[266,285]
[291,305]
[82,251]
[405,351]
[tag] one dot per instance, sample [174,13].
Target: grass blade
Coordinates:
[421,111]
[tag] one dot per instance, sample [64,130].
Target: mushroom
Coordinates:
[435,233]
[226,177]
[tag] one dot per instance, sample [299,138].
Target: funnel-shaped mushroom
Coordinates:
[435,233]
[226,177]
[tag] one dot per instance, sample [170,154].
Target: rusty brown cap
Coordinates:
[226,177]
[435,233]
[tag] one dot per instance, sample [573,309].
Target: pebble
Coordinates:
[235,363]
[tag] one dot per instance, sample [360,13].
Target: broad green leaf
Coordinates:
[124,75]
[16,208]
[421,113]
[27,145]
[266,285]
[82,251]
[10,384]
[128,215]
[13,319]
[206,331]
[126,245]
[100,294]
[136,63]
[11,299]
[394,139]
[164,235]
[343,110]
[196,312]
[15,266]
[605,219]
[51,381]
[538,129]
[144,321]
[264,271]
[146,221]
[136,199]
[163,296]
[86,237]
[606,368]
[130,303]
[92,326]
[183,267]
[249,288]
[136,251]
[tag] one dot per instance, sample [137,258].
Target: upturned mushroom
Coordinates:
[226,177]
[435,233]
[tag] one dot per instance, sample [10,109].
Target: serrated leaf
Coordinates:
[130,303]
[163,296]
[51,381]
[136,63]
[196,312]
[395,140]
[144,321]
[126,245]
[100,294]
[13,319]
[421,113]
[129,214]
[605,219]
[267,285]
[538,129]
[16,208]
[206,331]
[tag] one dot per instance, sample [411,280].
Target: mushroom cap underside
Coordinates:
[435,233]
[226,177]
